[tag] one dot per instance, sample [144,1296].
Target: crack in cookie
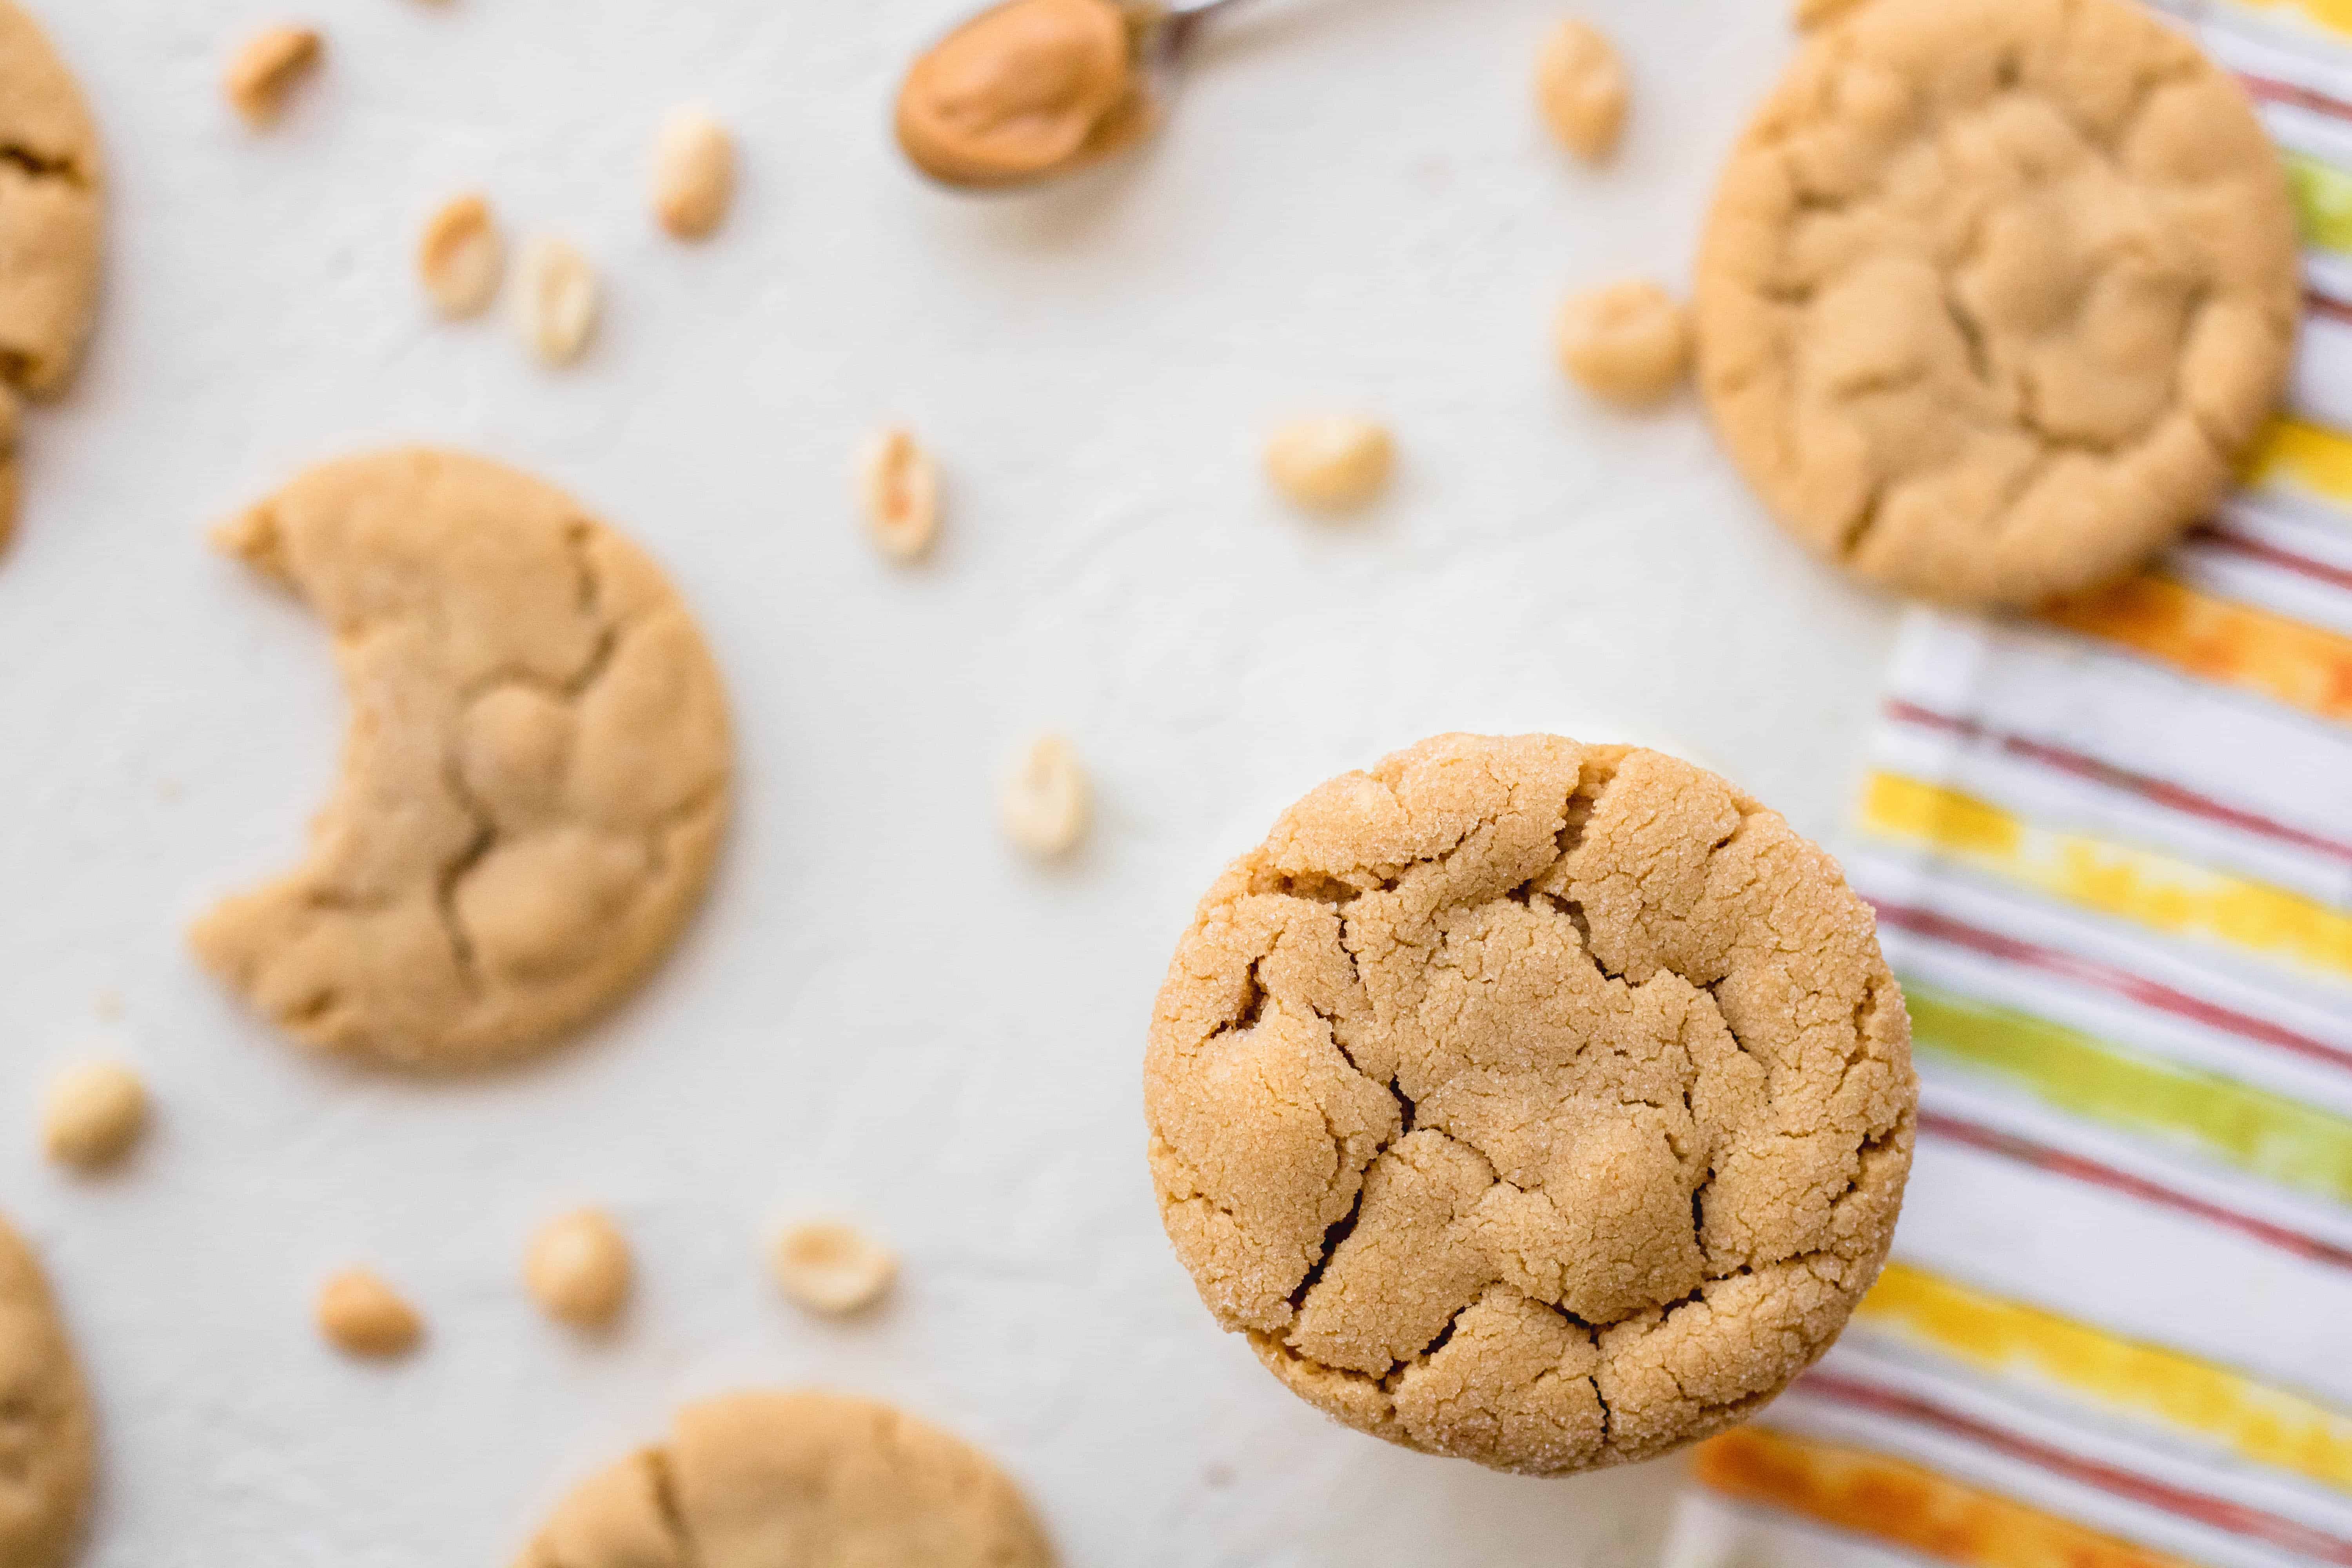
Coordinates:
[535,778]
[1527,1164]
[756,1479]
[1995,293]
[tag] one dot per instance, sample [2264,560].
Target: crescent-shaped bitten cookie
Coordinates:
[534,780]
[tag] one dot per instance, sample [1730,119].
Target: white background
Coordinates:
[882,1013]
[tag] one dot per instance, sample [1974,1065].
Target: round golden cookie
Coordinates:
[1995,292]
[52,186]
[535,780]
[1543,1104]
[47,1451]
[795,1481]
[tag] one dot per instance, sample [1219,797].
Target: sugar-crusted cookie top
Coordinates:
[753,1480]
[47,1448]
[1545,1104]
[1994,292]
[534,780]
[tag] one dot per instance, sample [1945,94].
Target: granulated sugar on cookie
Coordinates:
[52,189]
[535,782]
[1995,293]
[47,1447]
[787,1478]
[1540,1104]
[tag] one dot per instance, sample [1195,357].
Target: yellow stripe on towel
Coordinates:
[2141,886]
[2252,1420]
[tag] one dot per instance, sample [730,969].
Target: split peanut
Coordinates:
[1629,343]
[1334,463]
[264,69]
[557,308]
[1046,803]
[694,173]
[832,1269]
[1582,89]
[898,491]
[578,1268]
[462,257]
[362,1316]
[95,1113]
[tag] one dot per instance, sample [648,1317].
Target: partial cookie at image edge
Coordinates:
[1994,293]
[52,221]
[750,1468]
[52,1435]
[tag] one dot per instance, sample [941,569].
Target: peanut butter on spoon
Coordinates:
[1032,89]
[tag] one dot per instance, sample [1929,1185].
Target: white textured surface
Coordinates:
[883,1014]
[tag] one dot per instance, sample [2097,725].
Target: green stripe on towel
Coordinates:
[2252,1129]
[2323,202]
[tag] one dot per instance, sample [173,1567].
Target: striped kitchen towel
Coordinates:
[2111,851]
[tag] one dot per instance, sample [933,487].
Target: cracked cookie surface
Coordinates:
[48,1452]
[1995,292]
[51,219]
[1542,1104]
[534,780]
[795,1481]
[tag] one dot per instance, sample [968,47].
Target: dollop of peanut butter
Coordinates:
[1025,90]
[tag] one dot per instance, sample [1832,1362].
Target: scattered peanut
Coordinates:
[578,1268]
[1045,803]
[462,257]
[264,69]
[1334,463]
[898,489]
[361,1315]
[1629,343]
[95,1112]
[557,308]
[832,1269]
[1582,89]
[694,173]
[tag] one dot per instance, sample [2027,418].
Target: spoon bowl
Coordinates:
[1028,90]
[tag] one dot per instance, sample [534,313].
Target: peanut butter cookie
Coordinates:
[1543,1104]
[48,1452]
[1995,292]
[795,1481]
[51,217]
[535,779]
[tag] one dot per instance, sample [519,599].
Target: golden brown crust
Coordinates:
[1995,292]
[47,1447]
[755,1480]
[1544,1104]
[535,780]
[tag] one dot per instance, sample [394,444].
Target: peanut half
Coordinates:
[1581,86]
[694,173]
[462,257]
[835,1269]
[362,1316]
[264,69]
[557,308]
[898,491]
[1629,343]
[94,1114]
